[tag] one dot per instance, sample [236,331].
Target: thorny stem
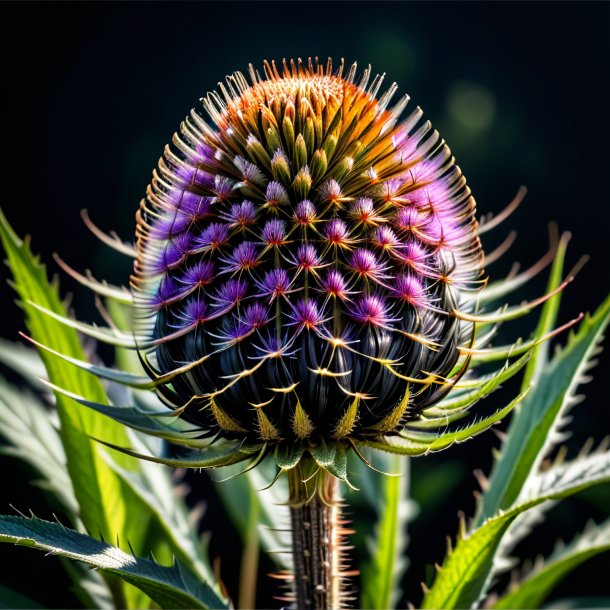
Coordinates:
[316,538]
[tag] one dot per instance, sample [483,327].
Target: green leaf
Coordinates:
[382,573]
[105,502]
[535,588]
[534,426]
[466,570]
[154,487]
[29,427]
[96,487]
[25,424]
[173,587]
[548,315]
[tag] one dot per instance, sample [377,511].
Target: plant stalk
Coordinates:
[316,537]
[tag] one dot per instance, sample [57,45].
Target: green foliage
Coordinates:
[463,577]
[100,493]
[106,501]
[173,587]
[381,575]
[535,424]
[29,434]
[535,587]
[468,570]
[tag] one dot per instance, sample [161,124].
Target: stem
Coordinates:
[316,532]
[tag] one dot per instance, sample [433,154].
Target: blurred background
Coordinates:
[92,92]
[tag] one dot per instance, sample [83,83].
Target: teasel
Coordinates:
[309,281]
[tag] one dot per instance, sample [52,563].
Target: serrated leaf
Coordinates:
[25,424]
[466,571]
[382,573]
[173,587]
[105,503]
[530,433]
[154,487]
[535,588]
[548,315]
[96,487]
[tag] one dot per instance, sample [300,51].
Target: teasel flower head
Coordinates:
[309,278]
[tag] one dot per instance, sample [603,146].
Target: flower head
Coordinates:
[309,272]
[304,203]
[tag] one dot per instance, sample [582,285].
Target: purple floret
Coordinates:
[213,237]
[305,212]
[306,314]
[240,215]
[274,232]
[243,258]
[274,284]
[230,293]
[199,274]
[370,309]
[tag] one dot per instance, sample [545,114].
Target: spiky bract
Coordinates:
[310,256]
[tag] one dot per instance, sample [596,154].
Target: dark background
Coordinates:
[91,93]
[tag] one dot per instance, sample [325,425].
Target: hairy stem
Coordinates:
[316,533]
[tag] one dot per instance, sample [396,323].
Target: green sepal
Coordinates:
[288,455]
[324,454]
[332,458]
